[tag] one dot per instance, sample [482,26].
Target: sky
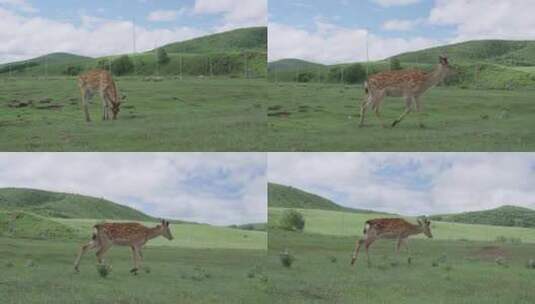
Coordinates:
[31,28]
[213,188]
[335,31]
[411,183]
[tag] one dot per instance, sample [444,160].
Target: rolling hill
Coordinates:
[289,197]
[511,216]
[65,205]
[293,64]
[237,53]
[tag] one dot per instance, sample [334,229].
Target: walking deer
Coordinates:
[390,228]
[409,84]
[134,235]
[99,81]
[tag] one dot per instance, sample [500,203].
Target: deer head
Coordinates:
[165,231]
[443,60]
[425,225]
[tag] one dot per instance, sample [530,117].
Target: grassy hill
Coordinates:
[65,205]
[293,64]
[511,216]
[290,197]
[241,40]
[240,53]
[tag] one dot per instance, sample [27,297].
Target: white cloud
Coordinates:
[163,15]
[425,183]
[216,188]
[236,13]
[400,25]
[20,5]
[27,37]
[485,19]
[388,3]
[330,43]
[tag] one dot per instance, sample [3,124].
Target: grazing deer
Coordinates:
[123,234]
[390,228]
[102,82]
[409,84]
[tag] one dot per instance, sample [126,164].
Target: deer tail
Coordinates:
[366,89]
[366,227]
[96,230]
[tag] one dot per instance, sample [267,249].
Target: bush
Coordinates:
[122,65]
[72,70]
[163,58]
[305,77]
[354,73]
[292,220]
[286,259]
[395,64]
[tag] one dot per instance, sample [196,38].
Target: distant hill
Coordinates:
[65,205]
[240,53]
[511,216]
[247,39]
[293,64]
[505,52]
[289,197]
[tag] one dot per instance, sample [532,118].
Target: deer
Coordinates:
[409,84]
[390,228]
[100,81]
[134,235]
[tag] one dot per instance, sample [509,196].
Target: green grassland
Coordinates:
[456,272]
[192,114]
[325,117]
[37,271]
[502,216]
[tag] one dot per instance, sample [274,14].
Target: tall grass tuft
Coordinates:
[103,270]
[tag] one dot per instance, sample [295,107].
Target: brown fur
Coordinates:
[102,82]
[390,228]
[133,235]
[409,84]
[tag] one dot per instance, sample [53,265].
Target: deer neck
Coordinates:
[416,229]
[153,232]
[435,77]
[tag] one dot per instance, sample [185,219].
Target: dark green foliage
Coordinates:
[103,270]
[290,197]
[305,77]
[73,70]
[354,73]
[395,64]
[286,259]
[163,58]
[122,65]
[17,67]
[292,220]
[503,216]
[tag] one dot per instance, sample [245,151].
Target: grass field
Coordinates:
[325,117]
[442,270]
[172,115]
[41,272]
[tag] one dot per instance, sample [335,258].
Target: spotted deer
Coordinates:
[409,84]
[390,228]
[99,81]
[134,235]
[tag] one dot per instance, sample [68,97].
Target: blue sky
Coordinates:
[336,31]
[32,28]
[215,188]
[411,183]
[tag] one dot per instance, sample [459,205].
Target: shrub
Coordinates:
[531,264]
[286,259]
[122,65]
[354,73]
[292,220]
[73,70]
[395,64]
[103,270]
[163,58]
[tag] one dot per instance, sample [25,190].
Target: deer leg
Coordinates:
[408,109]
[419,108]
[367,246]
[378,115]
[105,114]
[368,99]
[91,245]
[136,255]
[356,252]
[85,106]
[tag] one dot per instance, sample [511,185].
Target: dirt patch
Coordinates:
[491,253]
[19,103]
[52,106]
[274,108]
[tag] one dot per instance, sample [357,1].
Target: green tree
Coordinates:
[122,65]
[354,73]
[395,64]
[163,58]
[292,220]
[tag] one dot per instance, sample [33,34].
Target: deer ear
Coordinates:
[166,223]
